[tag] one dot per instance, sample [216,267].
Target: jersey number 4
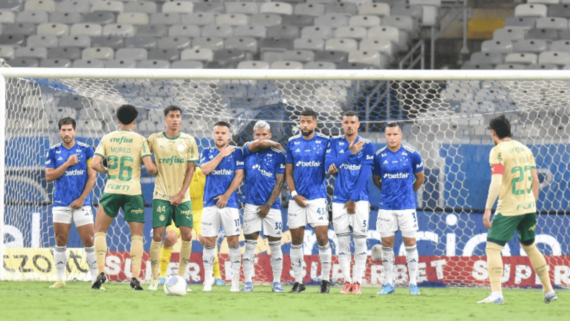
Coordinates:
[125,171]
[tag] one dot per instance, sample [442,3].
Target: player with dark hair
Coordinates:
[515,182]
[398,173]
[223,167]
[350,158]
[305,175]
[124,151]
[175,154]
[68,165]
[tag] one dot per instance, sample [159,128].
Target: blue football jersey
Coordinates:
[349,171]
[308,159]
[70,185]
[260,170]
[397,170]
[219,180]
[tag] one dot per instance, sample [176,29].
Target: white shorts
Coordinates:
[389,221]
[315,214]
[81,216]
[227,217]
[252,223]
[359,221]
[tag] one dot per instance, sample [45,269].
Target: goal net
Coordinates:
[446,120]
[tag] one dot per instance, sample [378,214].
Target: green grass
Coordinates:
[35,301]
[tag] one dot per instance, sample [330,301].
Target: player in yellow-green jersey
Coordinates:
[175,154]
[124,151]
[515,181]
[172,232]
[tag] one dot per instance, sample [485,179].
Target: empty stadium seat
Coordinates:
[184,31]
[113,42]
[331,56]
[66,17]
[309,44]
[121,63]
[12,40]
[88,63]
[7,52]
[242,43]
[231,57]
[98,53]
[530,10]
[159,64]
[168,18]
[55,63]
[24,62]
[112,6]
[319,65]
[232,19]
[119,30]
[316,32]
[212,43]
[384,46]
[509,34]
[199,18]
[364,21]
[283,32]
[390,33]
[88,29]
[44,5]
[560,45]
[47,41]
[271,56]
[249,64]
[545,34]
[198,54]
[557,10]
[31,52]
[530,46]
[178,7]
[521,58]
[401,9]
[542,67]
[174,43]
[551,57]
[7,16]
[145,42]
[209,7]
[310,9]
[351,32]
[223,31]
[25,29]
[470,65]
[187,64]
[99,17]
[34,16]
[140,6]
[545,1]
[551,23]
[400,22]
[299,55]
[133,18]
[500,46]
[564,34]
[250,31]
[272,44]
[10,5]
[281,8]
[70,53]
[286,65]
[266,19]
[298,20]
[353,65]
[379,9]
[153,30]
[170,54]
[484,58]
[249,8]
[520,22]
[341,44]
[510,67]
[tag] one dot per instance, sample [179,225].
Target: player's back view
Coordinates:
[515,181]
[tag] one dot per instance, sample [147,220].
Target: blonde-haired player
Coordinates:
[172,232]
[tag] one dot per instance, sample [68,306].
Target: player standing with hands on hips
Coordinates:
[305,175]
[398,173]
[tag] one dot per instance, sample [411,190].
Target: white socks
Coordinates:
[343,252]
[276,260]
[388,263]
[60,257]
[296,256]
[413,258]
[248,259]
[91,262]
[208,260]
[235,258]
[360,255]
[325,255]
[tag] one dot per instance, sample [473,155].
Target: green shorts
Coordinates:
[132,205]
[163,214]
[504,227]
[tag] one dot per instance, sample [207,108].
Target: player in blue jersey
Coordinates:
[68,164]
[398,172]
[350,158]
[264,176]
[305,175]
[223,167]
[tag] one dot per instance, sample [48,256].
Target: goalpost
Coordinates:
[444,115]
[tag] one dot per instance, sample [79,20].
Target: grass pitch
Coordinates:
[35,301]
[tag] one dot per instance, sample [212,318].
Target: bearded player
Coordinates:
[398,173]
[350,158]
[223,167]
[175,154]
[264,175]
[124,151]
[305,174]
[515,181]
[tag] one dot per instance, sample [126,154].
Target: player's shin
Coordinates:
[60,256]
[91,261]
[296,255]
[100,240]
[344,256]
[325,254]
[539,265]
[136,255]
[248,259]
[388,263]
[208,259]
[165,254]
[494,266]
[412,257]
[360,255]
[276,260]
[185,253]
[235,257]
[154,258]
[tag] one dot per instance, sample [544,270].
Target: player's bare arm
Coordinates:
[260,145]
[54,173]
[299,199]
[377,181]
[208,167]
[91,179]
[150,166]
[177,199]
[264,209]
[97,164]
[420,178]
[223,199]
[535,184]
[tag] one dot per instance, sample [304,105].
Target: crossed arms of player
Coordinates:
[54,173]
[210,166]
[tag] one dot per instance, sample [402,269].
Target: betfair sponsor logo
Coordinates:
[351,167]
[222,172]
[308,164]
[121,140]
[172,160]
[397,175]
[262,171]
[75,172]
